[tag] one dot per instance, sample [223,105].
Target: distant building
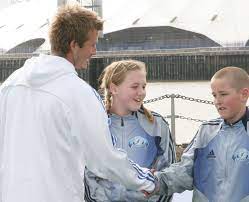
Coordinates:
[161,37]
[94,5]
[17,1]
[61,2]
[160,24]
[25,32]
[24,23]
[202,22]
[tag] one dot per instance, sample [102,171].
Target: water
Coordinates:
[185,129]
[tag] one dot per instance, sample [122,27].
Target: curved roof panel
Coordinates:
[24,21]
[224,21]
[28,46]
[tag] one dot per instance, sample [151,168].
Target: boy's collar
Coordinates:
[244,119]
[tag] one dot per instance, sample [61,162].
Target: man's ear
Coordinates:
[71,52]
[113,88]
[73,45]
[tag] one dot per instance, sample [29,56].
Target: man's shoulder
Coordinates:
[77,85]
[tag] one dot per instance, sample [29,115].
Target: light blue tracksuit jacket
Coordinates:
[148,144]
[215,165]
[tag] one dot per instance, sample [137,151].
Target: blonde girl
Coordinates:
[142,134]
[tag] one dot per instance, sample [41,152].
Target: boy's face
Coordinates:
[229,101]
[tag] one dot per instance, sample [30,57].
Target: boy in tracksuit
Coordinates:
[216,163]
[143,135]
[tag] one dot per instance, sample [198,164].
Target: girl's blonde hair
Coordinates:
[115,73]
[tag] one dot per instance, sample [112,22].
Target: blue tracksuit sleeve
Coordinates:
[216,160]
[160,155]
[179,176]
[168,152]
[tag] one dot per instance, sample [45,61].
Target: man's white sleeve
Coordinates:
[100,155]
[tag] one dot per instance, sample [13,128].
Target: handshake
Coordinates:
[157,186]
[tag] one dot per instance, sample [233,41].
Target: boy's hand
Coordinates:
[147,194]
[152,171]
[157,187]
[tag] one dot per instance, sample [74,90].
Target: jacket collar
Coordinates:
[244,119]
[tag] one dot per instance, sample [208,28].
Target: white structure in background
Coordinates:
[16,1]
[26,20]
[7,3]
[3,4]
[94,5]
[224,21]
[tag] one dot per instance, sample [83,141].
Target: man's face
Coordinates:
[229,102]
[81,56]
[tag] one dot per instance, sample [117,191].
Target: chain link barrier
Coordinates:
[178,96]
[186,118]
[191,99]
[158,98]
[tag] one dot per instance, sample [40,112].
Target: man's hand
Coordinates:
[157,186]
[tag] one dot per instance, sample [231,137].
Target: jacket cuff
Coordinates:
[161,186]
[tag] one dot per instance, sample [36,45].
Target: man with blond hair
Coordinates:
[53,124]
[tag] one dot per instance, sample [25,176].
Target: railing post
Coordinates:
[172,97]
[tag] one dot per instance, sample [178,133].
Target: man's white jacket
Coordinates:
[52,125]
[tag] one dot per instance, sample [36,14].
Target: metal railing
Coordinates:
[173,116]
[172,51]
[143,52]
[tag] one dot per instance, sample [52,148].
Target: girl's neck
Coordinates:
[119,112]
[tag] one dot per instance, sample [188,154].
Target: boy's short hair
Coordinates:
[72,22]
[237,77]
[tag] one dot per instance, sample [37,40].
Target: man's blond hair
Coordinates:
[237,77]
[72,23]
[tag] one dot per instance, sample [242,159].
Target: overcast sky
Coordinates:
[111,7]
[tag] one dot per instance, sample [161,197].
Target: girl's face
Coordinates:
[129,95]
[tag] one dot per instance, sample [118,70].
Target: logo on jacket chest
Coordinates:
[211,155]
[138,141]
[241,155]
